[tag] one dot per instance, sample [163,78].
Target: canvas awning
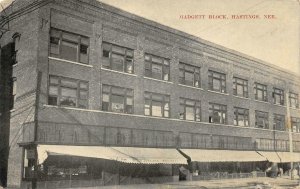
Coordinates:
[121,154]
[281,157]
[202,155]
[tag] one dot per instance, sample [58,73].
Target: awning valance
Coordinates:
[281,157]
[121,154]
[202,155]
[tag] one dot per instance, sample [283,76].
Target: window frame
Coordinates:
[295,97]
[125,57]
[196,74]
[214,76]
[266,119]
[222,110]
[195,106]
[278,93]
[295,120]
[243,83]
[165,100]
[79,43]
[245,116]
[165,68]
[78,89]
[263,88]
[125,95]
[281,118]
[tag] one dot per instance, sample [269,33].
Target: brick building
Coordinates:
[102,97]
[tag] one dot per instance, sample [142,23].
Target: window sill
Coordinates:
[158,80]
[188,86]
[218,92]
[71,62]
[118,72]
[280,105]
[262,101]
[241,97]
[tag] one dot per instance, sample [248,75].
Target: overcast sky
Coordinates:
[275,41]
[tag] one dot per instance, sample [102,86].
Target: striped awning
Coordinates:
[201,155]
[121,154]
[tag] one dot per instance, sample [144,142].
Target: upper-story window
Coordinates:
[295,124]
[157,67]
[117,58]
[240,87]
[278,96]
[216,81]
[189,75]
[117,99]
[260,92]
[217,113]
[261,119]
[241,117]
[189,109]
[69,46]
[279,122]
[13,92]
[157,105]
[294,100]
[68,92]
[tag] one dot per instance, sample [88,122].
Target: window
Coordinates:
[294,100]
[241,117]
[157,67]
[278,96]
[279,122]
[260,92]
[240,87]
[262,119]
[14,92]
[157,105]
[68,92]
[189,109]
[216,81]
[217,113]
[189,75]
[117,99]
[117,58]
[295,124]
[69,46]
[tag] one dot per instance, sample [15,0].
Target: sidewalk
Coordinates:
[271,183]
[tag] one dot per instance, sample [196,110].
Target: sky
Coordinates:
[274,40]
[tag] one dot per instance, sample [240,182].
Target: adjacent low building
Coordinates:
[104,97]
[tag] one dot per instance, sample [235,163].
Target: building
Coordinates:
[104,97]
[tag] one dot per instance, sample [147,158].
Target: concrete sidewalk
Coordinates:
[271,183]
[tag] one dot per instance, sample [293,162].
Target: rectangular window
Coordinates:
[260,92]
[68,92]
[117,58]
[262,119]
[157,105]
[189,109]
[294,100]
[189,75]
[240,87]
[69,46]
[117,99]
[295,124]
[278,96]
[241,117]
[157,67]
[279,122]
[216,81]
[13,92]
[217,113]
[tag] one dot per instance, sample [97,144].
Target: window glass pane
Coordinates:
[129,65]
[66,92]
[157,97]
[67,101]
[70,37]
[53,90]
[54,45]
[83,94]
[69,83]
[129,101]
[240,90]
[147,57]
[54,80]
[157,71]
[156,109]
[189,78]
[85,41]
[117,62]
[83,54]
[166,62]
[189,113]
[83,85]
[118,50]
[117,103]
[82,103]
[69,51]
[52,100]
[105,98]
[157,59]
[118,90]
[216,85]
[147,107]
[54,33]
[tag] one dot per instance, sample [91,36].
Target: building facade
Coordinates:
[90,75]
